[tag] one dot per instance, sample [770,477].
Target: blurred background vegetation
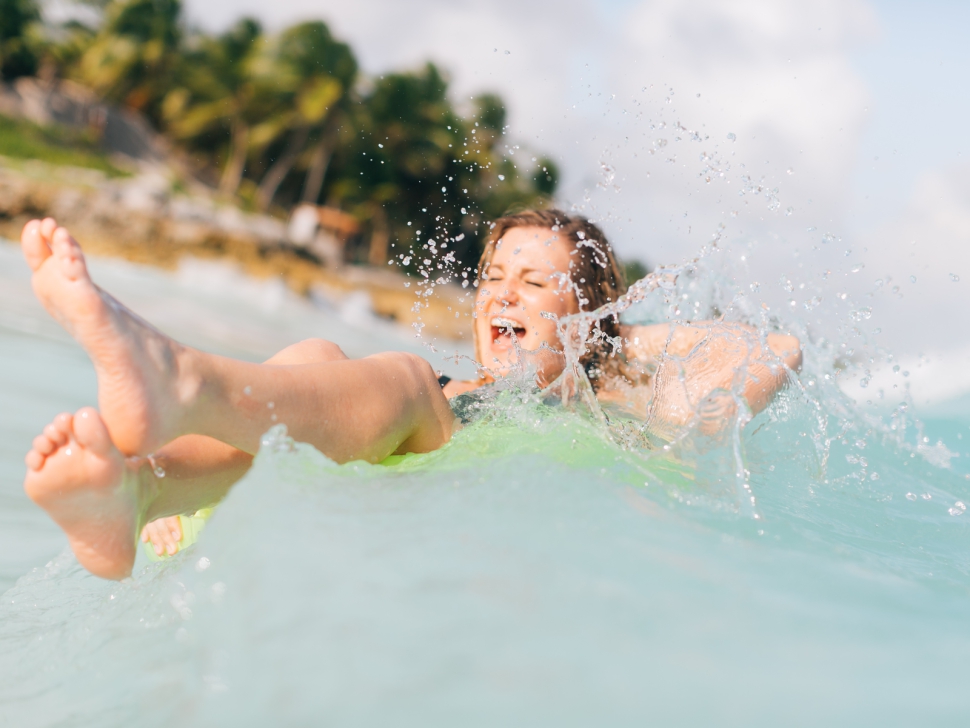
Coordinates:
[271,120]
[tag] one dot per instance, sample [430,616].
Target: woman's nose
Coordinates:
[511,293]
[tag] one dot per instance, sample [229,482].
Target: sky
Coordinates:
[823,141]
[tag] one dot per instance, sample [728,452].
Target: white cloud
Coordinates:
[921,250]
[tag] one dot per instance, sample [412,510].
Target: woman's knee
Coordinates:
[308,351]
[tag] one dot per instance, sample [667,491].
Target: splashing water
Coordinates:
[558,563]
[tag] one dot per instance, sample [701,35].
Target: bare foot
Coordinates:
[79,477]
[142,388]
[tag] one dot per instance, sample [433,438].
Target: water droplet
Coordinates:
[912,279]
[731,137]
[508,53]
[157,469]
[502,177]
[789,211]
[278,440]
[247,390]
[911,496]
[270,405]
[956,511]
[202,564]
[954,277]
[926,496]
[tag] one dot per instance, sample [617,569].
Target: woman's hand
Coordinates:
[700,366]
[164,534]
[548,364]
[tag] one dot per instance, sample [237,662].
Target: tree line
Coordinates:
[275,119]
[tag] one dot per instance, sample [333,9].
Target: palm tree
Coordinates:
[409,162]
[217,89]
[314,74]
[132,57]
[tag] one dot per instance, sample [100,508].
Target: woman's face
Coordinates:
[528,276]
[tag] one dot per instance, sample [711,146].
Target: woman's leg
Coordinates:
[200,470]
[101,499]
[151,389]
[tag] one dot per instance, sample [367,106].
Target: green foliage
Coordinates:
[17,57]
[215,97]
[308,51]
[491,112]
[313,76]
[132,57]
[546,176]
[21,139]
[633,270]
[407,158]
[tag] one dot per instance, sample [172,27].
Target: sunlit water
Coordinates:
[532,572]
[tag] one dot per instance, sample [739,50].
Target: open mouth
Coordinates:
[503,328]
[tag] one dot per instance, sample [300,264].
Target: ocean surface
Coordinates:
[533,572]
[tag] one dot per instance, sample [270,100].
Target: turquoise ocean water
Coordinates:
[533,572]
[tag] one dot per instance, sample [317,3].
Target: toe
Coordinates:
[35,247]
[59,431]
[34,460]
[47,227]
[64,422]
[90,431]
[56,435]
[68,254]
[43,445]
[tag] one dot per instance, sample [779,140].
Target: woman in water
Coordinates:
[199,417]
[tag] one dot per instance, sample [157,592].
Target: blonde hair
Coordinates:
[594,272]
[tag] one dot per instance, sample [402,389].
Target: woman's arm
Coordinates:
[199,472]
[693,361]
